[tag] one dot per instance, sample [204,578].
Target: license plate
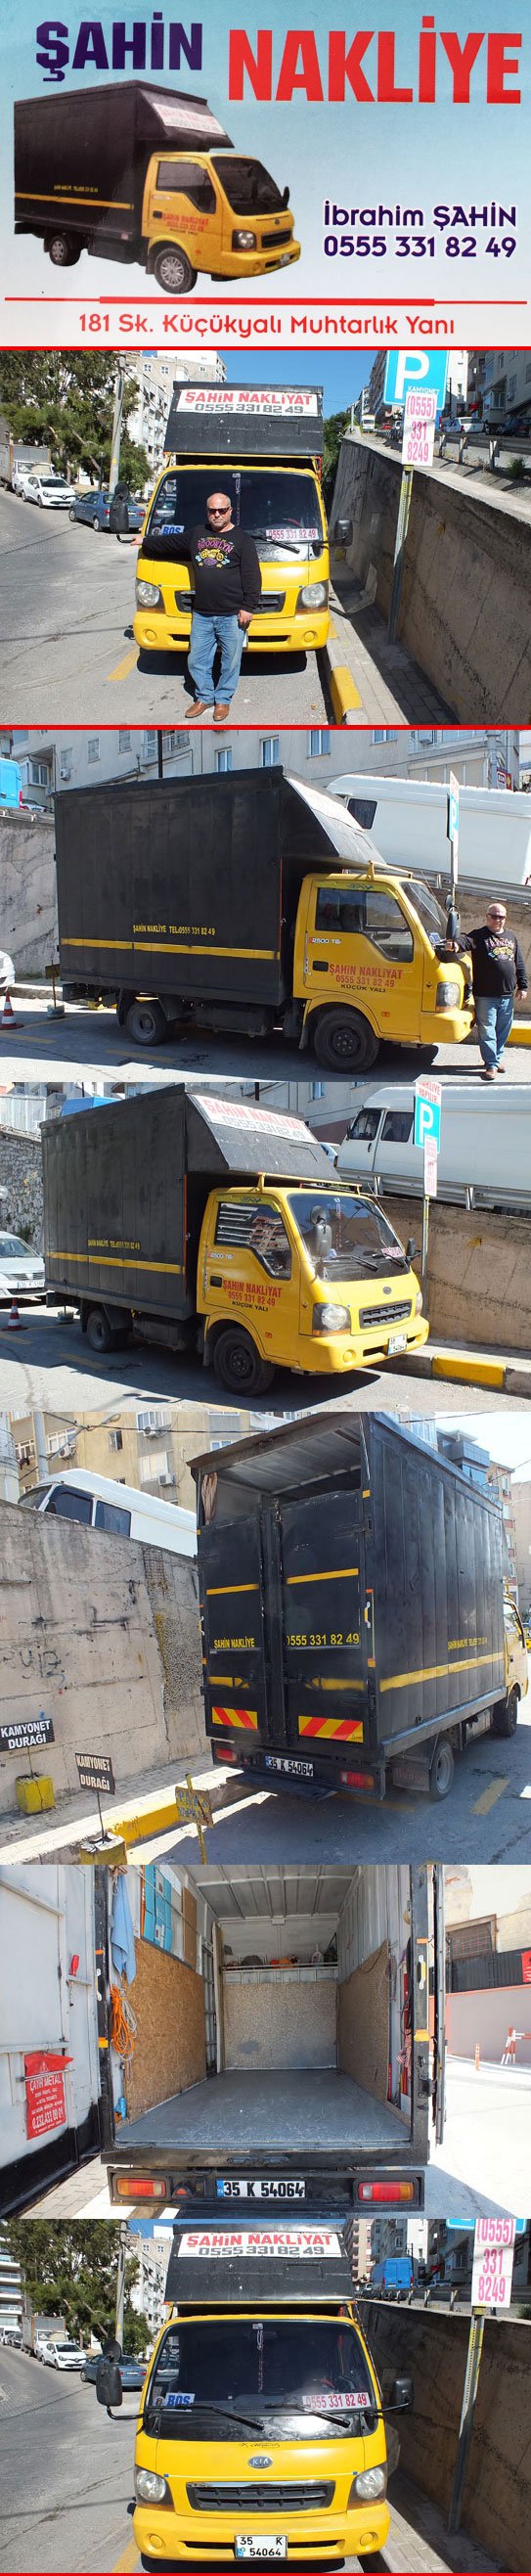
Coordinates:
[260,2545]
[285,1762]
[285,260]
[281,2189]
[397,1342]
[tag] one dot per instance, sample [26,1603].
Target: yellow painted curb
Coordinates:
[343,691]
[473,1372]
[520,1034]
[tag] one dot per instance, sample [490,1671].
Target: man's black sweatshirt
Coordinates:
[498,964]
[226,571]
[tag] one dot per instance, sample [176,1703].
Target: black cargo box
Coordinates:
[239,2263]
[245,420]
[82,153]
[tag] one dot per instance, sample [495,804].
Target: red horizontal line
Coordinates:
[426,303]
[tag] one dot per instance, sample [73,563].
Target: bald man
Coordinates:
[228,583]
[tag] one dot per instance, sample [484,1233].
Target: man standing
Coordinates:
[228,584]
[498,970]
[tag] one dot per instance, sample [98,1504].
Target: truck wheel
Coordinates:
[64,252]
[173,271]
[505,1715]
[343,1041]
[99,1330]
[146,1023]
[238,1366]
[441,1769]
[373,2558]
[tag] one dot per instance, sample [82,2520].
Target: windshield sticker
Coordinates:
[180,2397]
[336,2400]
[294,2242]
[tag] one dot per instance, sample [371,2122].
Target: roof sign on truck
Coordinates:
[293,401]
[296,2243]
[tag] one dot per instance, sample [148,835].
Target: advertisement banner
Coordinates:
[199,174]
[44,2076]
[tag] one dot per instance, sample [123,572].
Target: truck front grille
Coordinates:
[273,241]
[372,1315]
[247,2499]
[270,604]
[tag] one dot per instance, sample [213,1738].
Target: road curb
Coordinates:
[470,1369]
[346,701]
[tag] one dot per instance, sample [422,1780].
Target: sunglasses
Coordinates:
[218,514]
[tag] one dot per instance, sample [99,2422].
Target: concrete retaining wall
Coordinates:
[479,1272]
[484,2017]
[21,1179]
[103,1634]
[497,2498]
[29,905]
[465,594]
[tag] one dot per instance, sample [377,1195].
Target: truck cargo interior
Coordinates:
[292,2031]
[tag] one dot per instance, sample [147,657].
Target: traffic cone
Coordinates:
[13,1322]
[8,1020]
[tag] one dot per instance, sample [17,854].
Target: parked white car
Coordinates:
[7,971]
[63,2355]
[21,1271]
[49,490]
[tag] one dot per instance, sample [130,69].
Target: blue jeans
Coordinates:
[494,1019]
[207,633]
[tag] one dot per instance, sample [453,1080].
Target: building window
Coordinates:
[270,751]
[93,748]
[223,758]
[153,1417]
[319,743]
[150,744]
[124,740]
[156,1471]
[40,775]
[116,1440]
[66,763]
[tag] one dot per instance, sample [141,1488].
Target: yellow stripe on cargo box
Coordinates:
[237,1717]
[347,1729]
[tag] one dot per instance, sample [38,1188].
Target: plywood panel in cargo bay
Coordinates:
[169,2054]
[363,2023]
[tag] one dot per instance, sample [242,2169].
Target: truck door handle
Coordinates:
[320,966]
[215,1283]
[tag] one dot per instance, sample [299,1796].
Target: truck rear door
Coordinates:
[232,1585]
[324,1635]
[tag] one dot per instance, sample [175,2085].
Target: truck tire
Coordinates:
[63,251]
[505,1715]
[99,1330]
[146,1022]
[238,1366]
[441,1768]
[173,271]
[343,1041]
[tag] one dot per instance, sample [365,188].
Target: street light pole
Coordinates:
[120,2283]
[117,426]
[473,2365]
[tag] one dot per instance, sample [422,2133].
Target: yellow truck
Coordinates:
[137,173]
[263,445]
[199,1222]
[251,904]
[261,2431]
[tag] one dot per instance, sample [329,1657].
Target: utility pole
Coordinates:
[117,425]
[120,2284]
[473,2365]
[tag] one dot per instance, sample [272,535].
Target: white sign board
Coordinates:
[418,440]
[430,1168]
[293,402]
[493,2262]
[299,2242]
[427,1088]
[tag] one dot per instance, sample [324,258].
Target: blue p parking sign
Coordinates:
[415,371]
[427,1127]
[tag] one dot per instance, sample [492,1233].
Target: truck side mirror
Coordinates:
[285,196]
[401,2397]
[410,1248]
[109,2389]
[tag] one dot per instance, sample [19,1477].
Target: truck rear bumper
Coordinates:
[282,1765]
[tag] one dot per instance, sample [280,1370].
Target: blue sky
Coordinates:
[507,1436]
[341,377]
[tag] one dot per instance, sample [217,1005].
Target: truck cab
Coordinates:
[309,1277]
[372,961]
[516,1670]
[265,443]
[261,2431]
[218,212]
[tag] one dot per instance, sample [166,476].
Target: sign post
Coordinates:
[492,2275]
[415,382]
[427,1135]
[95,1771]
[452,835]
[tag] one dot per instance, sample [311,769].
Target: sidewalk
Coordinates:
[386,685]
[418,2538]
[76,1822]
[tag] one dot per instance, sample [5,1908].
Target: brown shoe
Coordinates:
[201,707]
[489,1074]
[221,714]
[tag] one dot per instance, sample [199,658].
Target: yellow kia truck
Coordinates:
[263,445]
[199,1222]
[261,2430]
[137,173]
[250,904]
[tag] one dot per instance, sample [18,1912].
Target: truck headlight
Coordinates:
[147,595]
[418,1302]
[314,595]
[150,2489]
[369,2484]
[448,997]
[331,1319]
[244,241]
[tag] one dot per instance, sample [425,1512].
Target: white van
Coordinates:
[485,1142]
[407,819]
[76,1494]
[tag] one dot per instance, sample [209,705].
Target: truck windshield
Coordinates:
[258,2363]
[429,910]
[248,187]
[273,507]
[345,1236]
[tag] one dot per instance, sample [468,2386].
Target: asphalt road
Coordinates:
[46,1360]
[66,2480]
[92,1038]
[67,602]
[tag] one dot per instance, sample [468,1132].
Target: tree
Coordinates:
[66,398]
[334,431]
[69,2268]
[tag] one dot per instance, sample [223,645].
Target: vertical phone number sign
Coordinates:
[418,440]
[492,2273]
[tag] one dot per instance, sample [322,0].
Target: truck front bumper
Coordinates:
[333,1354]
[319,2540]
[304,631]
[445,1028]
